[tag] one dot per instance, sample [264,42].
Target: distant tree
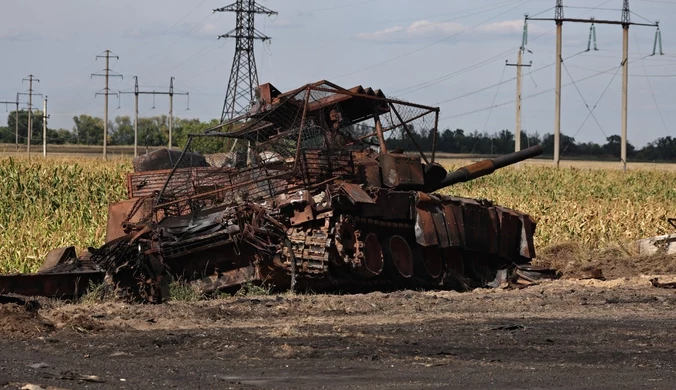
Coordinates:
[613,147]
[88,130]
[36,124]
[123,131]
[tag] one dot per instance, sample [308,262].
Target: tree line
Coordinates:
[154,131]
[502,142]
[88,130]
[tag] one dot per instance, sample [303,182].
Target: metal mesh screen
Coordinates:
[302,138]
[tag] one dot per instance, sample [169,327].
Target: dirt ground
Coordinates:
[560,334]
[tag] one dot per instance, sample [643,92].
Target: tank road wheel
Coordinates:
[371,256]
[481,267]
[431,264]
[454,263]
[399,255]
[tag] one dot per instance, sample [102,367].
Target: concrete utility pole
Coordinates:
[105,93]
[30,80]
[171,94]
[44,129]
[625,22]
[519,64]
[16,117]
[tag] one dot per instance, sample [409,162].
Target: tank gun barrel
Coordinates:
[486,167]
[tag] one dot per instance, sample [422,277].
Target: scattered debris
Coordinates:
[74,376]
[656,283]
[664,244]
[592,273]
[510,327]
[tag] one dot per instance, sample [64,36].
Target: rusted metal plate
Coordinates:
[66,284]
[510,233]
[226,279]
[302,215]
[391,205]
[356,194]
[425,232]
[440,226]
[492,230]
[401,170]
[454,225]
[527,248]
[56,257]
[118,213]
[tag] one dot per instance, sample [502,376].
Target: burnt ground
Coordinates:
[562,334]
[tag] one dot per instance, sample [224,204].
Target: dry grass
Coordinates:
[594,207]
[452,160]
[45,204]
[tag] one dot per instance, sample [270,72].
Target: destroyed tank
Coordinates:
[302,192]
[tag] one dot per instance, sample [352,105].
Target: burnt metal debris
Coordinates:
[301,192]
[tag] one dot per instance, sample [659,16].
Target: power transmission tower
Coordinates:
[30,94]
[625,22]
[243,75]
[16,118]
[519,64]
[105,93]
[171,94]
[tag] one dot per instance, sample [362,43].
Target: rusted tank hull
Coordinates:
[302,192]
[382,239]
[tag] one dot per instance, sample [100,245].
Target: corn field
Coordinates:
[45,204]
[54,203]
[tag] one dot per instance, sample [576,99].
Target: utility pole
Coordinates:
[171,94]
[105,93]
[625,81]
[30,80]
[243,75]
[625,22]
[519,65]
[44,129]
[171,106]
[16,117]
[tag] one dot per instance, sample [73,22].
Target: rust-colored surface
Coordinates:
[301,192]
[56,285]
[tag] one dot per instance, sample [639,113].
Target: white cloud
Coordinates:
[423,29]
[510,27]
[417,29]
[19,36]
[283,23]
[210,30]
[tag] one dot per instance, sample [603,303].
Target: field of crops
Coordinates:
[46,204]
[54,203]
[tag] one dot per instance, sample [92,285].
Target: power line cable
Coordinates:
[431,44]
[591,112]
[504,68]
[503,82]
[647,20]
[429,83]
[532,95]
[596,104]
[340,6]
[437,15]
[652,93]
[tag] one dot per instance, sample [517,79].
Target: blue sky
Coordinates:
[429,51]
